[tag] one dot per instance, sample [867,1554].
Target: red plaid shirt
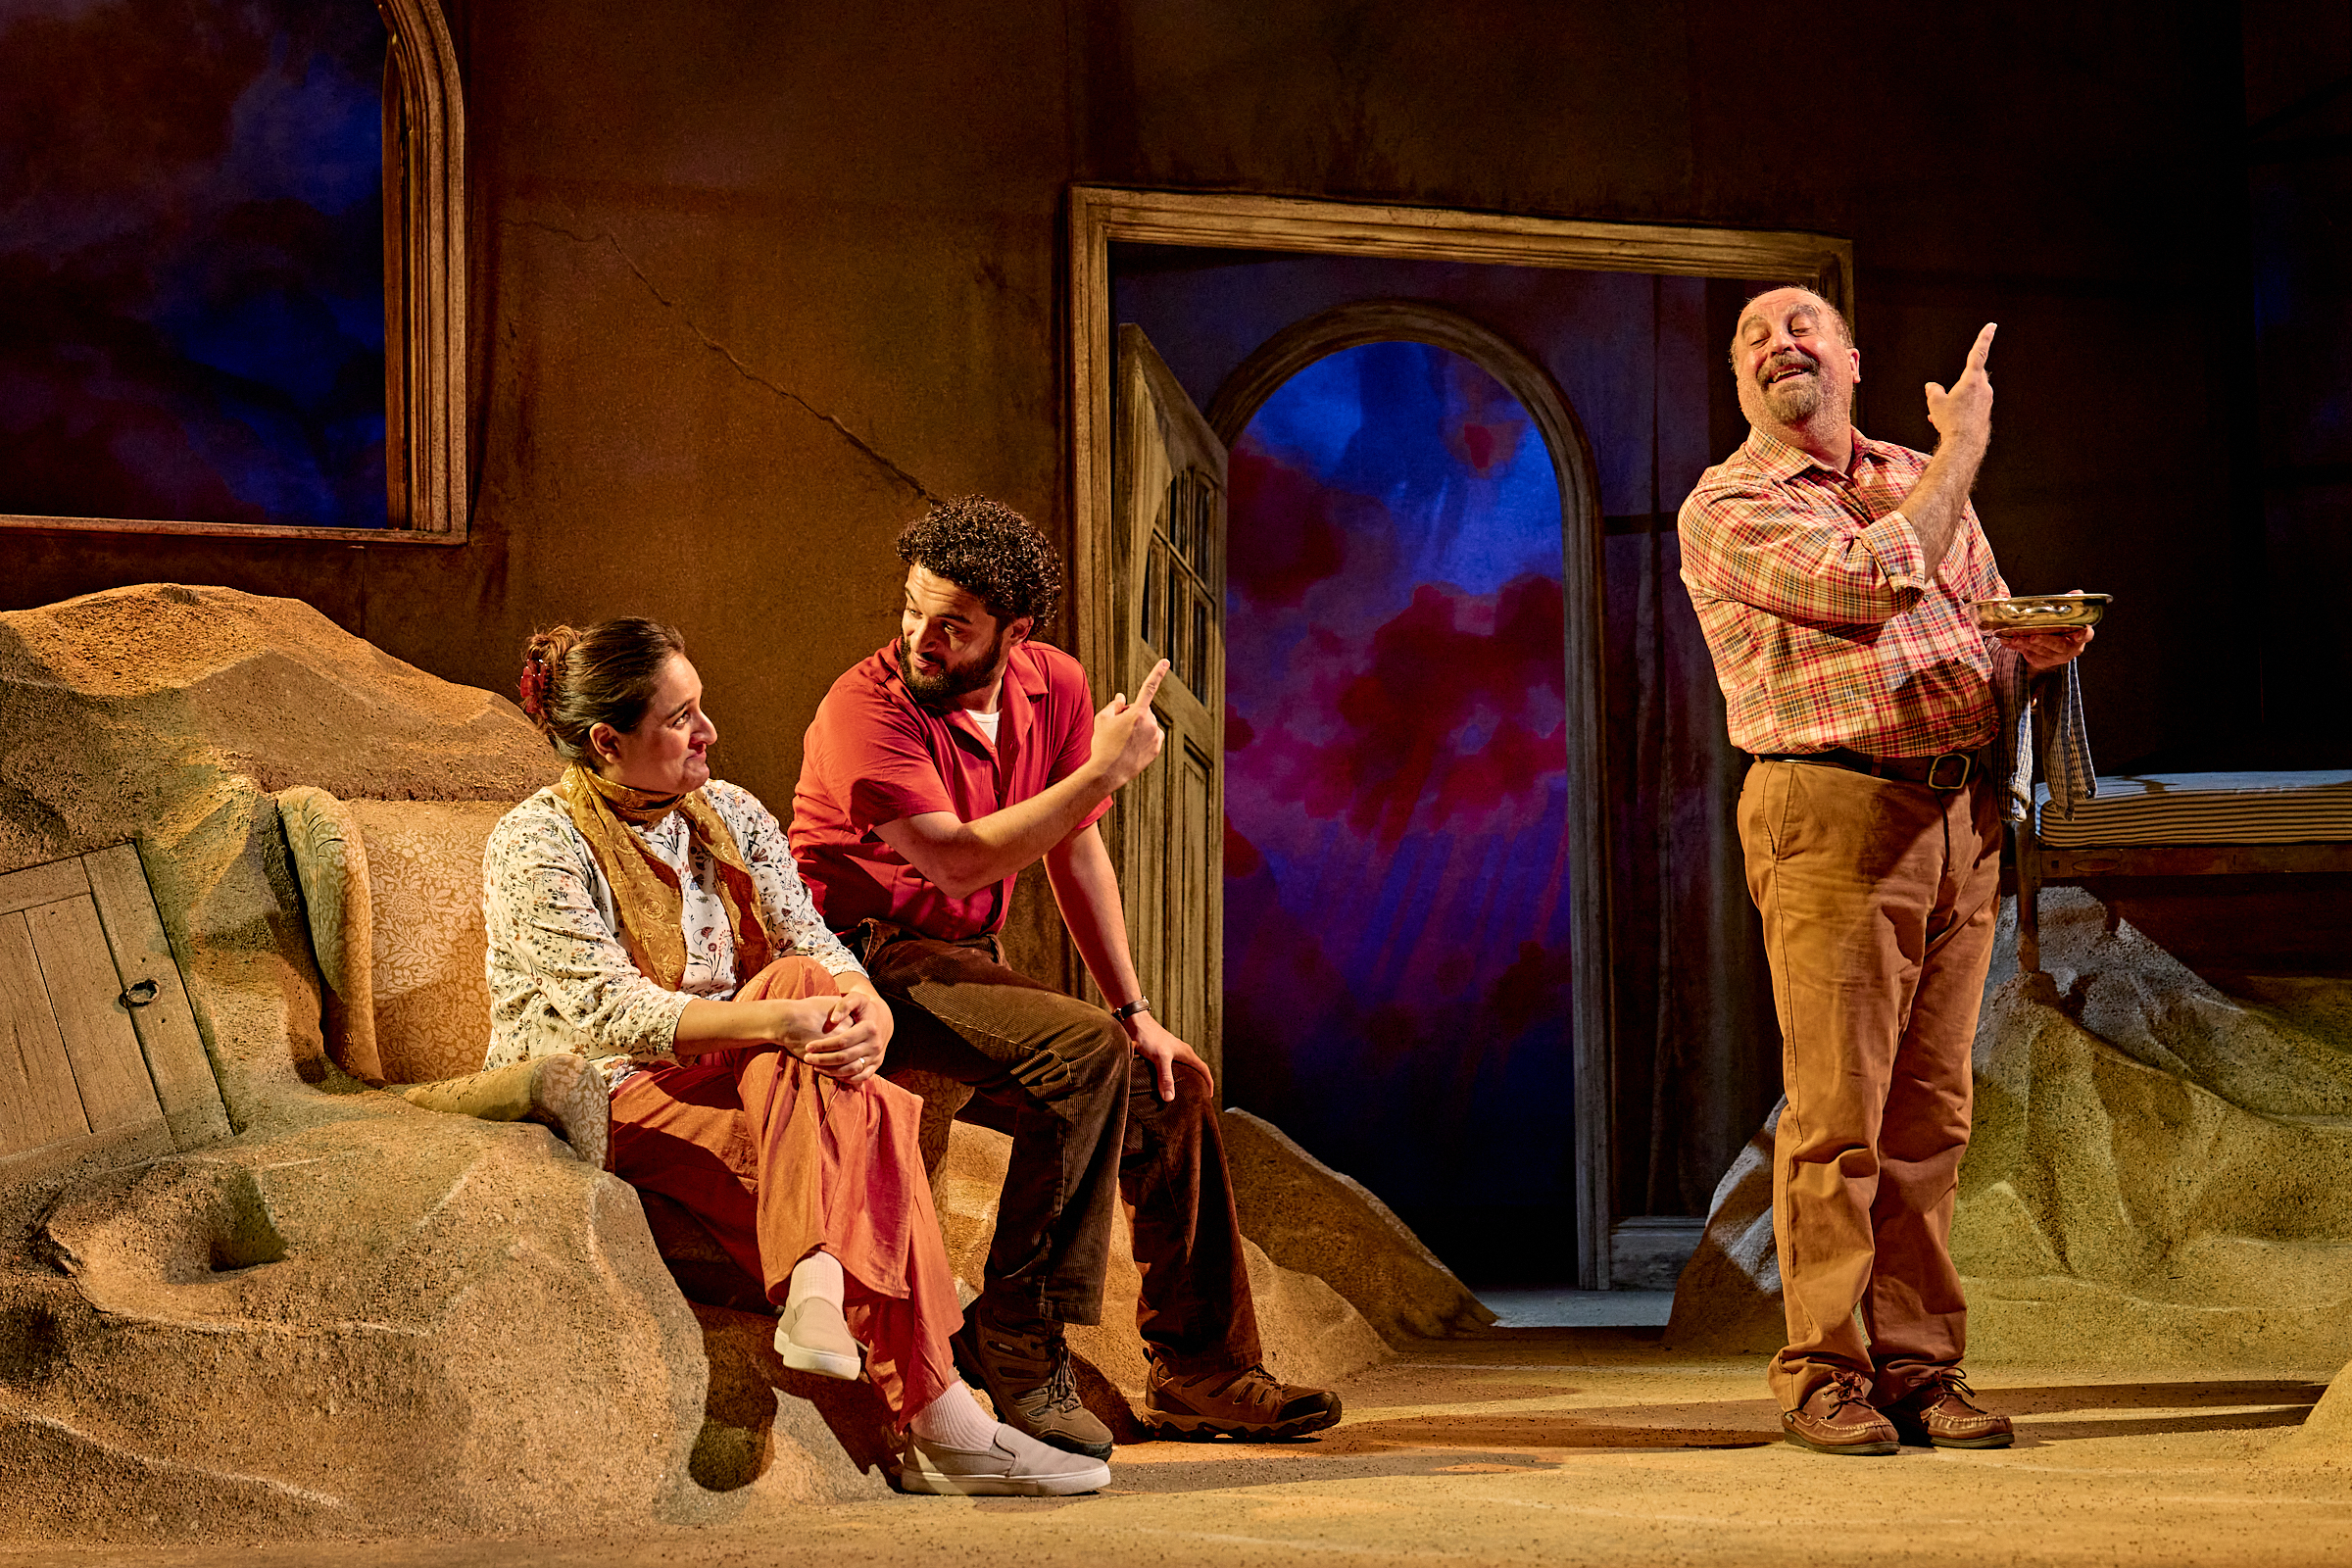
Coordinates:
[1816,602]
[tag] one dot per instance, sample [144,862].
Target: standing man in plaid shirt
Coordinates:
[1834,578]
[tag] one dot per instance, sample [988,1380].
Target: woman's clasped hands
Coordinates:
[842,1037]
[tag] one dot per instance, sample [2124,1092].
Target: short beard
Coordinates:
[936,691]
[1797,399]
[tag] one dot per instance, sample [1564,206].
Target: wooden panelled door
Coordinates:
[1168,560]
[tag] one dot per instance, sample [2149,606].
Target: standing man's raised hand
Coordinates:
[1965,412]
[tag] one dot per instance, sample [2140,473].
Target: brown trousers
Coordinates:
[780,1161]
[1878,900]
[1088,1129]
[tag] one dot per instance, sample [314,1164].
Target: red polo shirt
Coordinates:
[873,755]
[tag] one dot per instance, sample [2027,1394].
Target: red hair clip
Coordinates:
[534,688]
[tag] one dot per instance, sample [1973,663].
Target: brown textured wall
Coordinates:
[750,279]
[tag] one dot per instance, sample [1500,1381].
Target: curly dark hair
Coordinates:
[991,551]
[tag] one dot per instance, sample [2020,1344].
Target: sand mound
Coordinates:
[356,1317]
[170,715]
[1312,1218]
[2156,1173]
[412,1324]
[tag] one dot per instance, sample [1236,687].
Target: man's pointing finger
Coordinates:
[1151,686]
[1982,347]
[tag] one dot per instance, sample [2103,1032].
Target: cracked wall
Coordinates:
[749,281]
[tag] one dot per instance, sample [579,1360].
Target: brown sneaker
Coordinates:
[1025,1367]
[1248,1404]
[1837,1418]
[1941,1413]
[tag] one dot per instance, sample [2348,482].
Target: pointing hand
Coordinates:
[1127,738]
[1965,412]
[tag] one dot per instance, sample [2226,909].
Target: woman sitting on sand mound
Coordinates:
[647,917]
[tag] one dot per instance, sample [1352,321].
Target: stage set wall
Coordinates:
[750,283]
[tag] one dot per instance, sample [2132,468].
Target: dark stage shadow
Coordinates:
[2041,1431]
[2030,1400]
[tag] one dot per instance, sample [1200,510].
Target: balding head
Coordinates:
[1823,310]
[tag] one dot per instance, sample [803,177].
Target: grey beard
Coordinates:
[1794,399]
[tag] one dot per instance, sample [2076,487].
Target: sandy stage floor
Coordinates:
[1574,1446]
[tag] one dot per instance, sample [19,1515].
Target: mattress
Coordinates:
[2204,809]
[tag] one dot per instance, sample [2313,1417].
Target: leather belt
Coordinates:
[871,935]
[1946,771]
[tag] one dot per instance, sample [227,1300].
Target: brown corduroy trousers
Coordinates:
[1878,900]
[1089,1129]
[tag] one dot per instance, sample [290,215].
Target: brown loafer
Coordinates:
[1838,1419]
[1942,1413]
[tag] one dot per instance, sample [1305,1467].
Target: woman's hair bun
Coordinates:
[543,673]
[575,679]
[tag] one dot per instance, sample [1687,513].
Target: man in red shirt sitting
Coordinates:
[933,773]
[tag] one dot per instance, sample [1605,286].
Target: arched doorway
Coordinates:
[1410,519]
[1106,224]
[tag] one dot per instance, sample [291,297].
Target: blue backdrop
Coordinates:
[1397,881]
[191,261]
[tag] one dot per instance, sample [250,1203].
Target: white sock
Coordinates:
[955,1420]
[817,1276]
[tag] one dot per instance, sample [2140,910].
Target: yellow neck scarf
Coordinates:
[645,891]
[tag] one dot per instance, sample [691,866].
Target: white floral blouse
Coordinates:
[560,978]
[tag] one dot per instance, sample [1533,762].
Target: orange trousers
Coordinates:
[1878,900]
[781,1162]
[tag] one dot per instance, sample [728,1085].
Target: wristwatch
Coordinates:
[1127,1010]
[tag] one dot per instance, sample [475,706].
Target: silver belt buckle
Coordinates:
[1967,768]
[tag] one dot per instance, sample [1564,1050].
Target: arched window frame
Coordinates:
[424,307]
[424,270]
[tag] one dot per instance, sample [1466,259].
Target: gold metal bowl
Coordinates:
[2041,611]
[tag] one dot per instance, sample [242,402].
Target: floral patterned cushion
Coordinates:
[393,890]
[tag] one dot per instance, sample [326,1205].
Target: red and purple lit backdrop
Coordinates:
[1396,879]
[191,261]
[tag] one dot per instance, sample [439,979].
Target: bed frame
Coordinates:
[2040,865]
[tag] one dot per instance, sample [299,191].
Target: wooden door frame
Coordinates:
[1100,215]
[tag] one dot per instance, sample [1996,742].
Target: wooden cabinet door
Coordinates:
[98,1047]
[1168,557]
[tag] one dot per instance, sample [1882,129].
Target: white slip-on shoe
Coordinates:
[1016,1466]
[811,1336]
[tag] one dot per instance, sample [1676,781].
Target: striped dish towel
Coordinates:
[2042,715]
